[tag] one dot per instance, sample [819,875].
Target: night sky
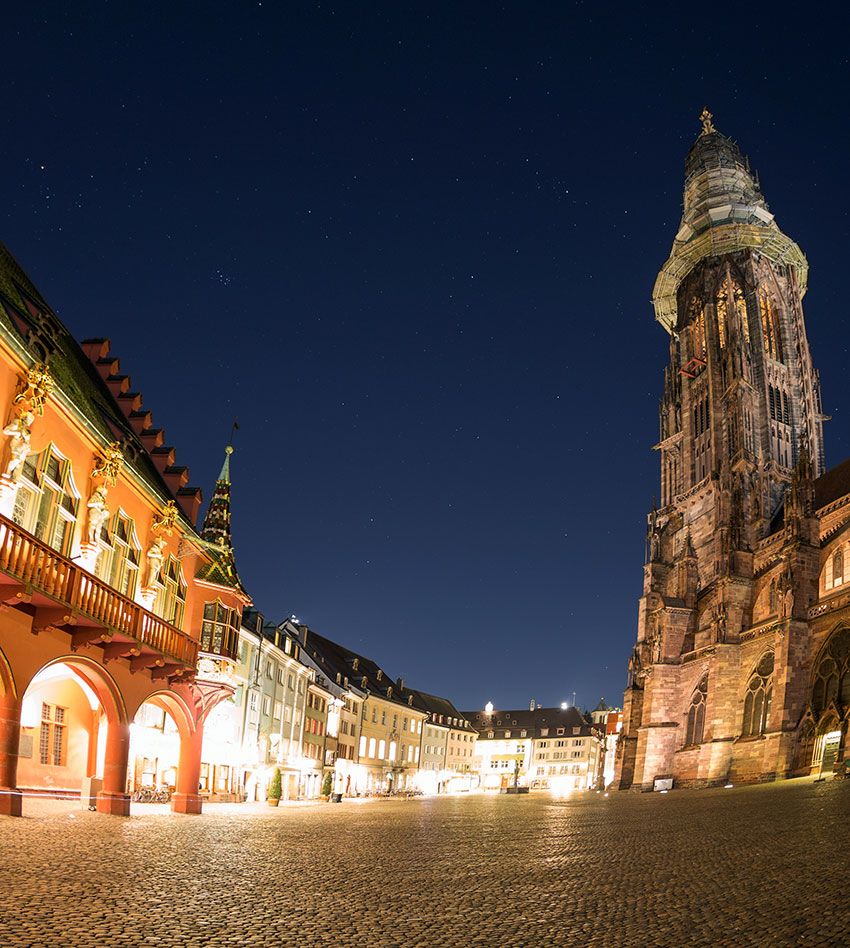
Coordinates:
[412,249]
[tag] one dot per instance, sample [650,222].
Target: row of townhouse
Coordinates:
[539,748]
[131,662]
[329,719]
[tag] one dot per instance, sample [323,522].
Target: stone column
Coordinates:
[10,734]
[114,798]
[186,799]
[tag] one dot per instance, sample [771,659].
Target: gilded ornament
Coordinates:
[35,388]
[707,122]
[108,465]
[165,522]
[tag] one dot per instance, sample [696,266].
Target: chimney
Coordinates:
[533,705]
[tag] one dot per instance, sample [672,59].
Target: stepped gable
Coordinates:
[90,378]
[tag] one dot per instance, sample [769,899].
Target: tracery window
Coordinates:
[770,326]
[696,714]
[832,673]
[698,329]
[740,304]
[170,602]
[838,567]
[758,697]
[722,316]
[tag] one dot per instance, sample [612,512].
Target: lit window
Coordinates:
[170,601]
[46,501]
[372,745]
[52,735]
[220,630]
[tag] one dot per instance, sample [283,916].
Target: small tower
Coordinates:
[216,531]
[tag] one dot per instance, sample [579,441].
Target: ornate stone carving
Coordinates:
[155,556]
[166,520]
[19,432]
[98,514]
[34,388]
[108,465]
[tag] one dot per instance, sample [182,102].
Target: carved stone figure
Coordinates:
[19,431]
[98,514]
[155,556]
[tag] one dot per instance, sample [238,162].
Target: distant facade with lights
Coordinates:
[741,671]
[538,748]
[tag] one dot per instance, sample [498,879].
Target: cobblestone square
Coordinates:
[744,866]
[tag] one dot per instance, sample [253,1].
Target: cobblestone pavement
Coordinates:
[749,866]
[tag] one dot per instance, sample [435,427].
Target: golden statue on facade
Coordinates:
[108,465]
[35,387]
[707,121]
[165,522]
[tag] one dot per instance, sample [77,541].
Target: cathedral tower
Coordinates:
[740,419]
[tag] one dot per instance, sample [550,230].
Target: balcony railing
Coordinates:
[38,566]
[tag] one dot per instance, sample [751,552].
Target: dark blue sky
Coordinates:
[412,249]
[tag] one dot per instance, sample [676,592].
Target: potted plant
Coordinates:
[275,790]
[327,786]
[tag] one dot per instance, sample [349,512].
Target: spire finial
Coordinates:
[707,121]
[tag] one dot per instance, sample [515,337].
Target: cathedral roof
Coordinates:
[829,487]
[724,211]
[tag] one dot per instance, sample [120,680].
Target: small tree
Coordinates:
[327,784]
[275,788]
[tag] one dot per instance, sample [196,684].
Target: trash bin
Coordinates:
[88,794]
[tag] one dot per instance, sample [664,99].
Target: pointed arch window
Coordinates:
[832,673]
[698,347]
[47,501]
[740,304]
[757,698]
[771,335]
[773,597]
[838,567]
[722,310]
[696,714]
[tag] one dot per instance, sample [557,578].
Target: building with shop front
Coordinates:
[387,732]
[610,720]
[105,581]
[741,669]
[539,748]
[446,762]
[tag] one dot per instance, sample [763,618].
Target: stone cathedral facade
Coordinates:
[741,670]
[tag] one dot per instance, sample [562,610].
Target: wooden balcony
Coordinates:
[58,593]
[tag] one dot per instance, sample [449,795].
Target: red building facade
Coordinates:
[111,601]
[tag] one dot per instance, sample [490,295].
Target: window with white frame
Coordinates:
[47,501]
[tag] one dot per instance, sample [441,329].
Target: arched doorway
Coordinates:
[165,753]
[73,735]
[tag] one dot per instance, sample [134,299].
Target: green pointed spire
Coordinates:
[216,529]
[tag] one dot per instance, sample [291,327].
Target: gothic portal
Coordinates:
[741,667]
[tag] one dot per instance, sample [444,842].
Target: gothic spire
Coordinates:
[723,208]
[216,530]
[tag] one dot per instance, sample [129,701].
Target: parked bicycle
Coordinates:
[152,795]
